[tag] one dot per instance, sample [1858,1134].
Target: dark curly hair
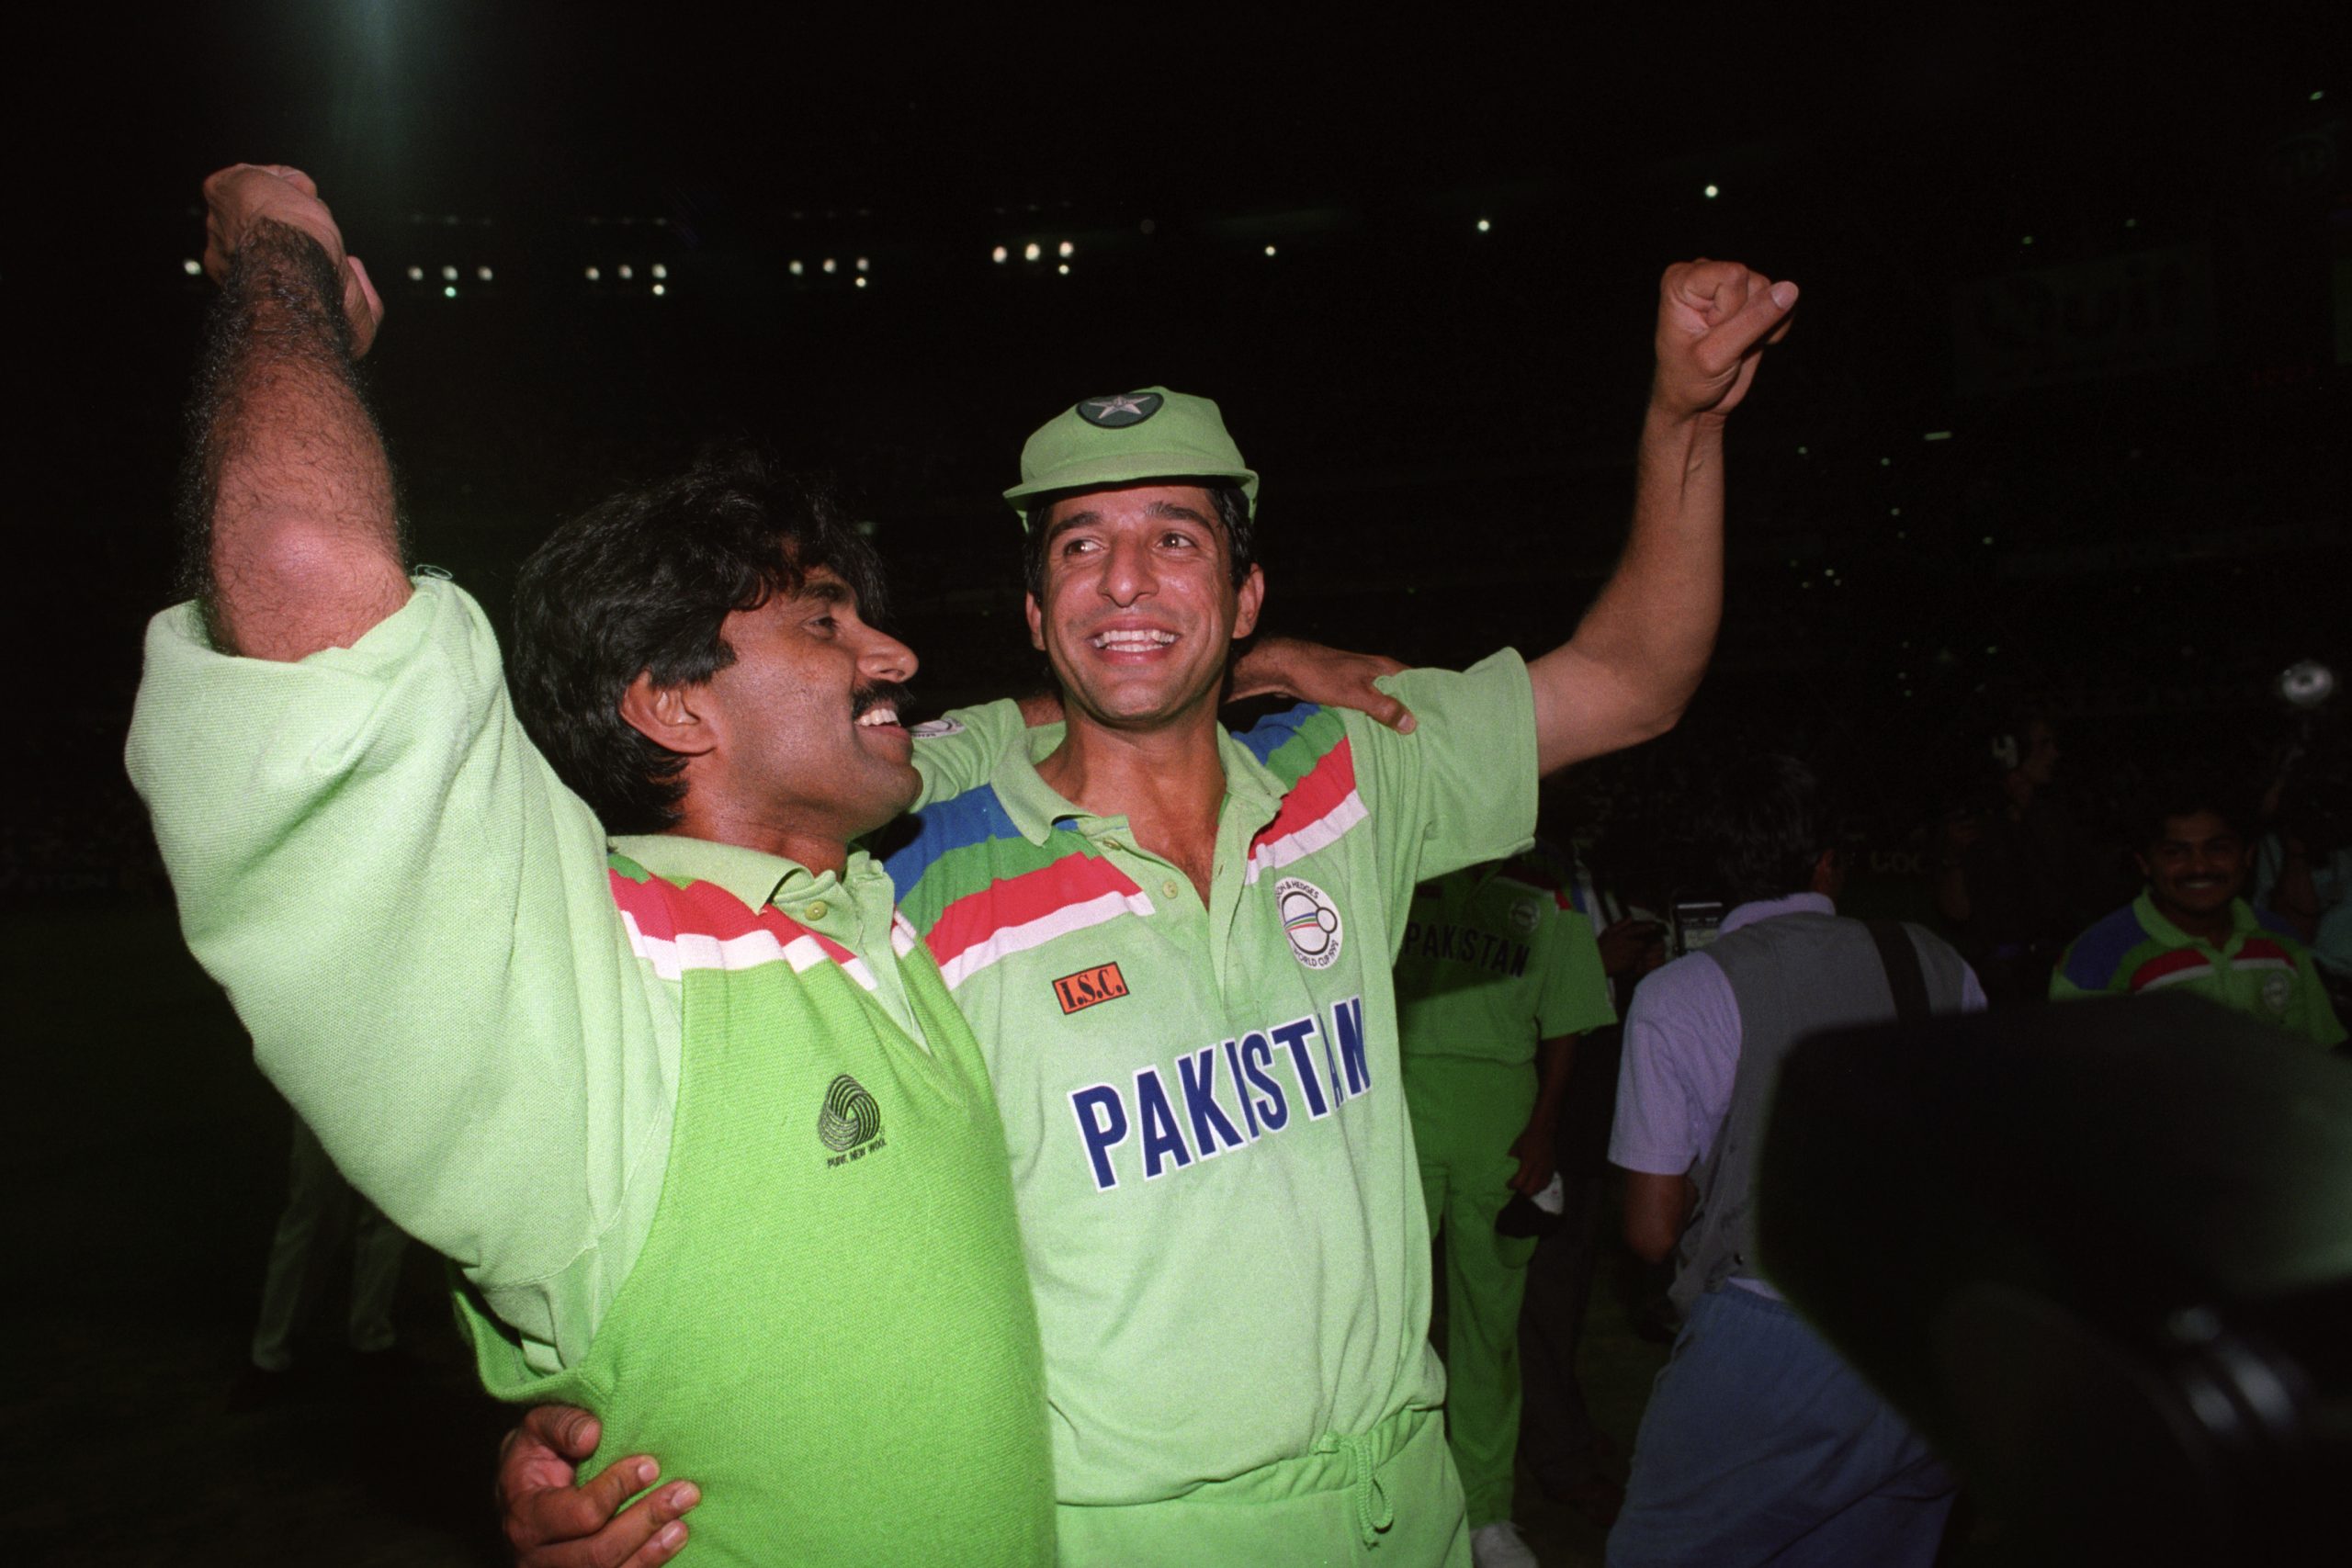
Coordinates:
[643,582]
[1764,825]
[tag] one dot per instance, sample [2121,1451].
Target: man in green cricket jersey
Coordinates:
[1497,978]
[1174,944]
[596,1000]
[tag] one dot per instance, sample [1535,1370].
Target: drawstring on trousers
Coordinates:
[1374,1513]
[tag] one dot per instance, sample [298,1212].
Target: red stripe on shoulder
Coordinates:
[1320,789]
[666,911]
[2165,964]
[1017,900]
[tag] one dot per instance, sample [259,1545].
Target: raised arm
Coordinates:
[293,544]
[1636,658]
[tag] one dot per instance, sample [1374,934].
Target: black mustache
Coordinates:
[891,692]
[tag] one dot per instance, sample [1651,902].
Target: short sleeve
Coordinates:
[958,750]
[1461,788]
[1574,998]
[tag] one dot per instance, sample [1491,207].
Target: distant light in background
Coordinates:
[448,275]
[1988,538]
[1937,435]
[861,283]
[1713,191]
[1032,250]
[864,266]
[1270,250]
[659,289]
[1804,452]
[2317,96]
[998,255]
[1894,511]
[1066,250]
[831,265]
[795,269]
[2027,240]
[625,272]
[482,273]
[416,273]
[2130,222]
[1063,269]
[1484,225]
[659,270]
[449,291]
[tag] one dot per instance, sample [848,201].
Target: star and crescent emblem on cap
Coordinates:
[1117,412]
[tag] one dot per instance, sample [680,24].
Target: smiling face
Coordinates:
[1139,608]
[806,749]
[2194,869]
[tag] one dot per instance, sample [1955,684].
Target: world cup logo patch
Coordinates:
[1311,921]
[2278,990]
[849,1117]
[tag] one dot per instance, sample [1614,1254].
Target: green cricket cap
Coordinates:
[1155,434]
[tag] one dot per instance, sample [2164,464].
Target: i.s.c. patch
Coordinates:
[1090,988]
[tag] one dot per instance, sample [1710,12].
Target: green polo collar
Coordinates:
[1035,806]
[2243,924]
[753,875]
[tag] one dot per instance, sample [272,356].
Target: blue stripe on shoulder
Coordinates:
[2092,961]
[1270,731]
[974,817]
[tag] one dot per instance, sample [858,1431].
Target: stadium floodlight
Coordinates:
[626,272]
[659,270]
[2306,684]
[998,255]
[795,268]
[1484,225]
[1270,250]
[594,276]
[832,267]
[860,282]
[864,266]
[448,274]
[1713,191]
[659,289]
[483,273]
[1063,269]
[1066,250]
[448,291]
[1032,250]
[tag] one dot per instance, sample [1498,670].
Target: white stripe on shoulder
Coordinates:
[1069,917]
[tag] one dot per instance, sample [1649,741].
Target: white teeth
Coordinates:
[1133,639]
[879,714]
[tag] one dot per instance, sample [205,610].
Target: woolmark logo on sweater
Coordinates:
[850,1122]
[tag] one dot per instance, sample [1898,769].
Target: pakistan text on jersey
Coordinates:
[1467,944]
[1225,1097]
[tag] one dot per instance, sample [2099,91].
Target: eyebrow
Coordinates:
[826,591]
[1158,512]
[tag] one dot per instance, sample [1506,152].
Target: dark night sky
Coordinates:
[1444,417]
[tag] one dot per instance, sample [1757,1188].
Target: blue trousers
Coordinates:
[1760,1445]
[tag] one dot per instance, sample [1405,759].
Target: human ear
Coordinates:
[1252,595]
[670,717]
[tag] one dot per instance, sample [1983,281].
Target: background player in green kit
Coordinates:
[1496,976]
[644,1090]
[1174,944]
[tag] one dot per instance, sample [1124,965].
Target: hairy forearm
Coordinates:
[294,544]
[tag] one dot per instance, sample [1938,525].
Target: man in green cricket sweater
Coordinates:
[592,996]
